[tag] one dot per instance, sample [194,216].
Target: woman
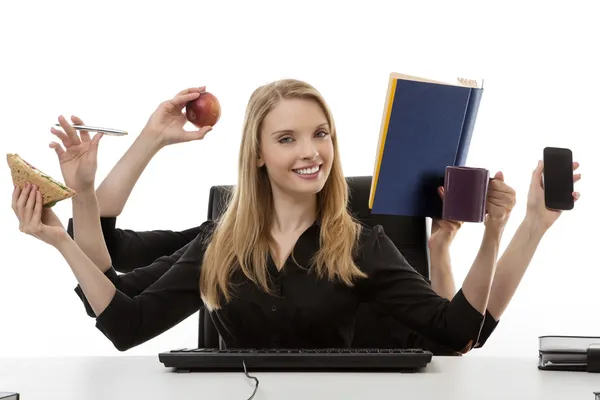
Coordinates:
[294,198]
[129,249]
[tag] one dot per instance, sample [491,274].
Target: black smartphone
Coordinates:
[558,178]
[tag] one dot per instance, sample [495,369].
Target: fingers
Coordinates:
[197,134]
[441,192]
[499,187]
[85,135]
[57,148]
[15,197]
[186,95]
[191,90]
[181,100]
[61,136]
[20,207]
[575,165]
[576,195]
[37,209]
[576,178]
[28,212]
[96,140]
[69,130]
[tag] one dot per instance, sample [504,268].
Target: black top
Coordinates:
[304,312]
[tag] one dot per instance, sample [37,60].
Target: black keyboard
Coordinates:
[201,359]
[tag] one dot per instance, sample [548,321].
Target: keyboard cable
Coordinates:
[253,378]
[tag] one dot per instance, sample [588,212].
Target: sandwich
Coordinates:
[52,190]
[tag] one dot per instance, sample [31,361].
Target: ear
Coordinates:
[259,161]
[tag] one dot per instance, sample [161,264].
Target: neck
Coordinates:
[293,213]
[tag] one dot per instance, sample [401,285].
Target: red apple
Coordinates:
[204,111]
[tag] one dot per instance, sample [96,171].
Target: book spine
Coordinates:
[468,127]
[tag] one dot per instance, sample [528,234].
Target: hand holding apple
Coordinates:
[166,124]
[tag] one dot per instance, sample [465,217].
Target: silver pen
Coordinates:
[106,131]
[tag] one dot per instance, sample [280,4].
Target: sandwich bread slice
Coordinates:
[23,172]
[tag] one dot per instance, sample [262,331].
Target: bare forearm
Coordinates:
[477,284]
[98,289]
[87,230]
[442,280]
[116,188]
[512,266]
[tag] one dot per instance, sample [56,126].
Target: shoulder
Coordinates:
[372,237]
[375,247]
[205,232]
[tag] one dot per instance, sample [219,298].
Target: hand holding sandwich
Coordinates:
[79,159]
[34,219]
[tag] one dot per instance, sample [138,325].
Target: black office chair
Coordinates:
[375,328]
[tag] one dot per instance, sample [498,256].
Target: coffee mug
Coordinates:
[465,193]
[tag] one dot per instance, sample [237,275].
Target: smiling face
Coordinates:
[296,147]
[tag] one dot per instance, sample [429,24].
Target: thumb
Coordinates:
[441,192]
[499,175]
[96,140]
[198,134]
[536,179]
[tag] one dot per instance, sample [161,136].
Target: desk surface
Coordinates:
[448,378]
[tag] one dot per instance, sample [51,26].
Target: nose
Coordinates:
[309,150]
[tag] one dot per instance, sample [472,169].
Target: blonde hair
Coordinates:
[242,237]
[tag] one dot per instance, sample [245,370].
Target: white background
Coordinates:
[112,63]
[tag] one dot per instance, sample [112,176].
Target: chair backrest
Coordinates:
[374,327]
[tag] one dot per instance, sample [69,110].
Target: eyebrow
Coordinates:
[323,125]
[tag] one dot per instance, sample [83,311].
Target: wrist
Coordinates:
[151,140]
[533,226]
[84,195]
[62,241]
[439,244]
[494,229]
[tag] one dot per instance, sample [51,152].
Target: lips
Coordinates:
[308,170]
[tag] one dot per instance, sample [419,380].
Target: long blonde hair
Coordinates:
[242,237]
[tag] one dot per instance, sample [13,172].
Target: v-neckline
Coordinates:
[272,261]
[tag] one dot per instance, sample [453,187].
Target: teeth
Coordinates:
[307,171]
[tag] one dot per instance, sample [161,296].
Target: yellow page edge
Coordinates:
[387,112]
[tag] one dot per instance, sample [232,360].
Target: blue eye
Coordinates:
[284,140]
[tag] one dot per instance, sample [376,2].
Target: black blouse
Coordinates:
[304,312]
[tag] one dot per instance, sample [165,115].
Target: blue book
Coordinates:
[426,126]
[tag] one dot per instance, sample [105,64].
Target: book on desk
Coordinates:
[427,125]
[569,353]
[9,396]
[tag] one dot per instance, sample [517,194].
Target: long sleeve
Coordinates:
[131,320]
[130,249]
[135,282]
[416,341]
[403,292]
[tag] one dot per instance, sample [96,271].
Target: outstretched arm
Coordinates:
[454,324]
[516,258]
[163,128]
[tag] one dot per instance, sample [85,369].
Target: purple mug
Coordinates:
[465,193]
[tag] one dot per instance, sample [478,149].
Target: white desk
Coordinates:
[128,378]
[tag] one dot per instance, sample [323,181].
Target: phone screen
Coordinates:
[558,178]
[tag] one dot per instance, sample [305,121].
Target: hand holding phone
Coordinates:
[558,178]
